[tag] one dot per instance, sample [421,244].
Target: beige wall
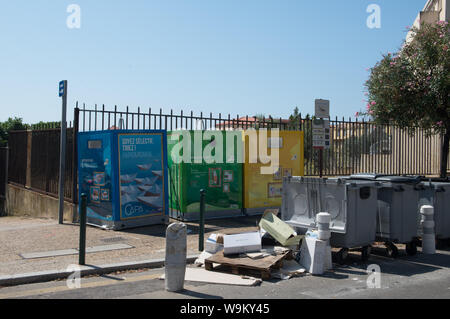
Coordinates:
[24,202]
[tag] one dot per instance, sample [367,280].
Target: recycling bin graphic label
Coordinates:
[141,175]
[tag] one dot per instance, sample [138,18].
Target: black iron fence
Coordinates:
[3,171]
[34,161]
[45,153]
[18,157]
[356,146]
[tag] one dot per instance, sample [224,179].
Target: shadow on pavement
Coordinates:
[199,295]
[213,225]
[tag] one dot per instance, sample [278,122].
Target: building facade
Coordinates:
[434,11]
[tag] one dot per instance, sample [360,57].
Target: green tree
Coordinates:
[410,88]
[12,124]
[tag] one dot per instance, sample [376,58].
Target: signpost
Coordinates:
[62,156]
[321,129]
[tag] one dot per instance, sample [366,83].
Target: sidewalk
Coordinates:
[19,236]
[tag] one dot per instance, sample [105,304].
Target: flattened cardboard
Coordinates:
[279,230]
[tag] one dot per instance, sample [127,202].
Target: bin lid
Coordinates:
[366,176]
[353,182]
[400,179]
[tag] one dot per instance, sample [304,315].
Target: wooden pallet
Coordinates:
[263,266]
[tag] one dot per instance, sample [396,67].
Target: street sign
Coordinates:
[62,88]
[322,108]
[321,134]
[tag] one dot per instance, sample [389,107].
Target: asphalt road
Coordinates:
[420,276]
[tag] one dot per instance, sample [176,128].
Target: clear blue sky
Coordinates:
[229,56]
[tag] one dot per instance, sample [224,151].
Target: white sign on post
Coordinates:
[322,108]
[321,134]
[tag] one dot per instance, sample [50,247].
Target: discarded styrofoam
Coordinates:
[312,255]
[200,261]
[242,243]
[212,277]
[211,245]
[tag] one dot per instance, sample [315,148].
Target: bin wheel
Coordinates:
[441,244]
[411,248]
[342,256]
[365,253]
[391,250]
[418,242]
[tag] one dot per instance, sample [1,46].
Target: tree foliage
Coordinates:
[12,124]
[411,88]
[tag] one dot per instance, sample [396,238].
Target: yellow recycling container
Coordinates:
[262,189]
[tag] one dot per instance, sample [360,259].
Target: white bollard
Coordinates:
[324,233]
[428,237]
[175,266]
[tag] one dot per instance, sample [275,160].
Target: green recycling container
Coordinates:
[190,171]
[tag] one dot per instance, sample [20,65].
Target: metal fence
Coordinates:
[3,171]
[18,156]
[367,147]
[356,146]
[34,161]
[45,153]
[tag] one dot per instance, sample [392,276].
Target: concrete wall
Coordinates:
[23,202]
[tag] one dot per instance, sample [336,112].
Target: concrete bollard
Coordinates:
[428,237]
[324,233]
[176,251]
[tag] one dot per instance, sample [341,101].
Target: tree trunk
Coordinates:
[444,154]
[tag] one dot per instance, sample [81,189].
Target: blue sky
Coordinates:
[229,56]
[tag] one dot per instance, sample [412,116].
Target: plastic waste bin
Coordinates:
[441,205]
[398,210]
[351,204]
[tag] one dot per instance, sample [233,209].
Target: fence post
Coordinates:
[76,116]
[82,248]
[76,119]
[29,150]
[201,236]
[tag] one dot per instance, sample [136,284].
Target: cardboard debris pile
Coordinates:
[271,250]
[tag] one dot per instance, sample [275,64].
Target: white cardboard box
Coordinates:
[241,243]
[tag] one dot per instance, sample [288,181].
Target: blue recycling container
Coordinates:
[124,174]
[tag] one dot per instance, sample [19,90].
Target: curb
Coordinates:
[51,275]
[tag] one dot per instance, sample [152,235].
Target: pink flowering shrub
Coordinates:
[412,87]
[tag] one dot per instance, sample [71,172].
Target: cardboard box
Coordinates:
[242,243]
[212,245]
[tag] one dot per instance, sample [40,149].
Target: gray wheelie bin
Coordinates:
[442,210]
[398,205]
[351,204]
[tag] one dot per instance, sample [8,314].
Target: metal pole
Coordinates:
[201,236]
[82,249]
[62,157]
[320,163]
